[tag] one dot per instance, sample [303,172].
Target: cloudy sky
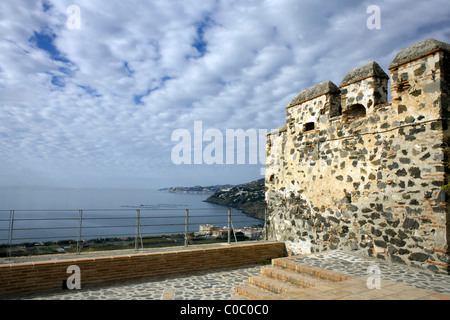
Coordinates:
[91,91]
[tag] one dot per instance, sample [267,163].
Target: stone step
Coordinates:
[285,279]
[253,293]
[292,277]
[272,285]
[312,271]
[235,295]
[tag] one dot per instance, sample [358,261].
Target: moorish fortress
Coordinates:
[350,170]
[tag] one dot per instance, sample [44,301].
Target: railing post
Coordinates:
[229,226]
[80,226]
[186,229]
[10,231]
[265,224]
[138,230]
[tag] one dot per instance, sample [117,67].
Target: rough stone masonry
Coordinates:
[351,170]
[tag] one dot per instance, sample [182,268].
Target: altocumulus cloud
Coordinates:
[96,106]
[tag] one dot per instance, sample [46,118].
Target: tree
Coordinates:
[447,186]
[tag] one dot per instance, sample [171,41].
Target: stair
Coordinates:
[284,278]
[253,293]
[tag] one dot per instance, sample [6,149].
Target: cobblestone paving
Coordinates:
[356,265]
[211,286]
[220,285]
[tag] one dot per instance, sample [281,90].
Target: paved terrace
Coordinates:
[398,282]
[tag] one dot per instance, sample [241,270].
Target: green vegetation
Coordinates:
[447,186]
[248,197]
[104,244]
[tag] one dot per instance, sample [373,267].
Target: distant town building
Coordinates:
[250,232]
[219,233]
[207,229]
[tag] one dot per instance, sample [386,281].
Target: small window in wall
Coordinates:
[403,86]
[308,126]
[354,112]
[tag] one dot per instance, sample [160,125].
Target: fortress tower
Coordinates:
[362,89]
[350,170]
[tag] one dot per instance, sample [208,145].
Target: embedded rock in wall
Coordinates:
[350,170]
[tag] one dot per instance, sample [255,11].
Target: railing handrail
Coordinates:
[82,215]
[132,209]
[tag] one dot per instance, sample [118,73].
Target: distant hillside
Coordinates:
[197,189]
[247,197]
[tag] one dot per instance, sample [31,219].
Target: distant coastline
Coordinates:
[247,197]
[197,189]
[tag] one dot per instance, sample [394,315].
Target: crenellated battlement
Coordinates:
[351,170]
[362,90]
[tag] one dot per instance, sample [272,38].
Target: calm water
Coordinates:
[57,210]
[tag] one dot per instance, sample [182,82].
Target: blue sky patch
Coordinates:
[90,91]
[58,81]
[200,43]
[138,98]
[44,41]
[127,68]
[46,6]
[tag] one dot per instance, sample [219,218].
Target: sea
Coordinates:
[51,214]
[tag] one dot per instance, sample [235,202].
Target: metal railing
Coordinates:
[22,225]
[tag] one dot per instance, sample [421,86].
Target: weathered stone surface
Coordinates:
[380,243]
[417,50]
[410,224]
[322,88]
[418,256]
[371,175]
[369,69]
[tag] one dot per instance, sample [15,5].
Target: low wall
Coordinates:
[49,276]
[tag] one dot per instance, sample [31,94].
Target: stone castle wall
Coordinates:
[350,170]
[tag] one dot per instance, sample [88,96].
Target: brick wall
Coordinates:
[48,276]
